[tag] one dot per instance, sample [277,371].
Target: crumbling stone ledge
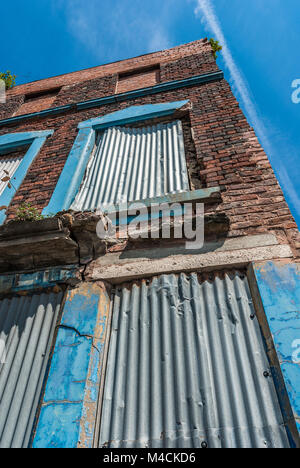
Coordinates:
[70,238]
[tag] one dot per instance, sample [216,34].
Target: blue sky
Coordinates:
[261,57]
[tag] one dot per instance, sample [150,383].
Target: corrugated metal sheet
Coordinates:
[26,327]
[185,367]
[134,164]
[10,164]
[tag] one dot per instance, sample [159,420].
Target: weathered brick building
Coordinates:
[140,342]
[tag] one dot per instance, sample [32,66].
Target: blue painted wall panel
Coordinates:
[68,415]
[279,287]
[73,382]
[68,368]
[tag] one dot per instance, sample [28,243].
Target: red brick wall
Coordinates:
[228,151]
[138,80]
[11,106]
[196,64]
[196,47]
[86,90]
[36,105]
[102,81]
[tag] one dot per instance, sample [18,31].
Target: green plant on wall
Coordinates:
[9,79]
[216,47]
[27,212]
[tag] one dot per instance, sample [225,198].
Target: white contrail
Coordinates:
[205,8]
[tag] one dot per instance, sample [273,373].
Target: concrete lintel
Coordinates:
[236,243]
[234,253]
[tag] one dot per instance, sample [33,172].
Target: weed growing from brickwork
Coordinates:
[25,212]
[216,47]
[9,79]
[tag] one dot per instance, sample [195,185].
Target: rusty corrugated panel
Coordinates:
[27,325]
[9,164]
[132,164]
[186,367]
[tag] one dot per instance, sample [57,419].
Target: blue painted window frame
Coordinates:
[73,172]
[12,141]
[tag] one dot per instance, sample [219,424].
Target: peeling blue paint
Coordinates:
[73,172]
[73,373]
[81,313]
[10,141]
[39,280]
[68,415]
[86,433]
[279,287]
[133,114]
[15,140]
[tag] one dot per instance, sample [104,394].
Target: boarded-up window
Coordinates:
[185,367]
[9,163]
[138,79]
[132,164]
[27,325]
[38,101]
